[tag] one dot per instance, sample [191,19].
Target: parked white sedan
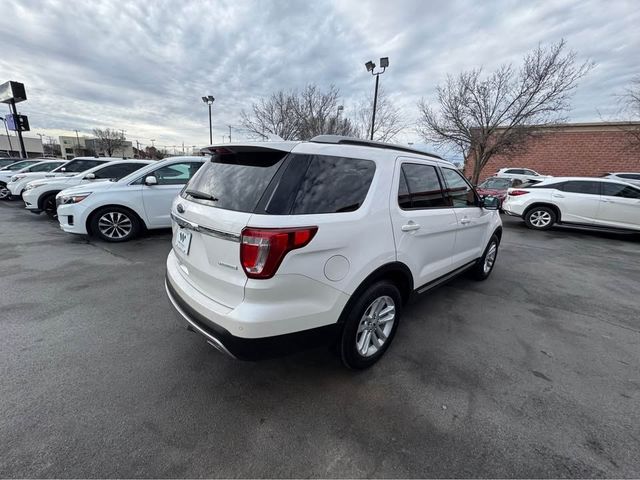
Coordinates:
[118,211]
[40,195]
[594,202]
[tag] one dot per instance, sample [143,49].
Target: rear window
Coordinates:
[236,181]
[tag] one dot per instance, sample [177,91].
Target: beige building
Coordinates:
[33,146]
[72,146]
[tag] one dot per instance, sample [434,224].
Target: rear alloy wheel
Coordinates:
[540,218]
[370,325]
[5,193]
[115,224]
[49,205]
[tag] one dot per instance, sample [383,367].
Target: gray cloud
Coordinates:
[143,66]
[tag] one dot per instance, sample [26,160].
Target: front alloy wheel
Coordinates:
[4,192]
[115,224]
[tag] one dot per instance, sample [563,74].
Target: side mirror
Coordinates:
[150,180]
[490,203]
[90,176]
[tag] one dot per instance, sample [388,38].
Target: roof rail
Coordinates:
[340,140]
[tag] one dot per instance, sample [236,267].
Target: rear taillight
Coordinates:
[515,193]
[262,249]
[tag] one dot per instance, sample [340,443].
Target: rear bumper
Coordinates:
[248,348]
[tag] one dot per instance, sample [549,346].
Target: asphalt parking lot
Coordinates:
[533,373]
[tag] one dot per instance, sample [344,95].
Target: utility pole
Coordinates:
[229,133]
[78,143]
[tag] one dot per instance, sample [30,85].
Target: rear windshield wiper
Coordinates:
[201,195]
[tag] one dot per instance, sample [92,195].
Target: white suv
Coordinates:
[522,174]
[585,201]
[20,168]
[282,245]
[68,168]
[40,195]
[118,211]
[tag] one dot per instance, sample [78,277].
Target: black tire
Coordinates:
[347,346]
[48,205]
[5,194]
[125,224]
[479,272]
[540,218]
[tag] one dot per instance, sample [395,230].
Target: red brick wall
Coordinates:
[570,153]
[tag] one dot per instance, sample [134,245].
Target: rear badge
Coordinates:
[180,208]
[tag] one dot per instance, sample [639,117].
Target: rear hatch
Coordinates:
[211,212]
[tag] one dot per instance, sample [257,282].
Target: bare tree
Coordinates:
[631,107]
[295,115]
[108,140]
[485,115]
[389,121]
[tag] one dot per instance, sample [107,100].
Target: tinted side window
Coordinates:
[45,167]
[176,174]
[404,197]
[580,186]
[617,190]
[423,186]
[632,176]
[118,171]
[78,166]
[333,184]
[459,191]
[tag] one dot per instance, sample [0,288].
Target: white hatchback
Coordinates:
[585,201]
[522,174]
[281,245]
[118,211]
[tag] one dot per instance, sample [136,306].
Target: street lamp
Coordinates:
[384,63]
[8,137]
[209,101]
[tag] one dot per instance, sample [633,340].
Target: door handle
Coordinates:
[410,227]
[606,200]
[465,221]
[557,195]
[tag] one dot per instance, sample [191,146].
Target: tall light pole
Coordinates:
[384,63]
[209,101]
[8,136]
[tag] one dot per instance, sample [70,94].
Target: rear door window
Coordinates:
[423,187]
[631,176]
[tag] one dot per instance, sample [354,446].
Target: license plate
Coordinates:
[183,241]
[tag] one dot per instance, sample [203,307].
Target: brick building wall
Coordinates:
[584,150]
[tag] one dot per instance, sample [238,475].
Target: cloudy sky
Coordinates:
[142,66]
